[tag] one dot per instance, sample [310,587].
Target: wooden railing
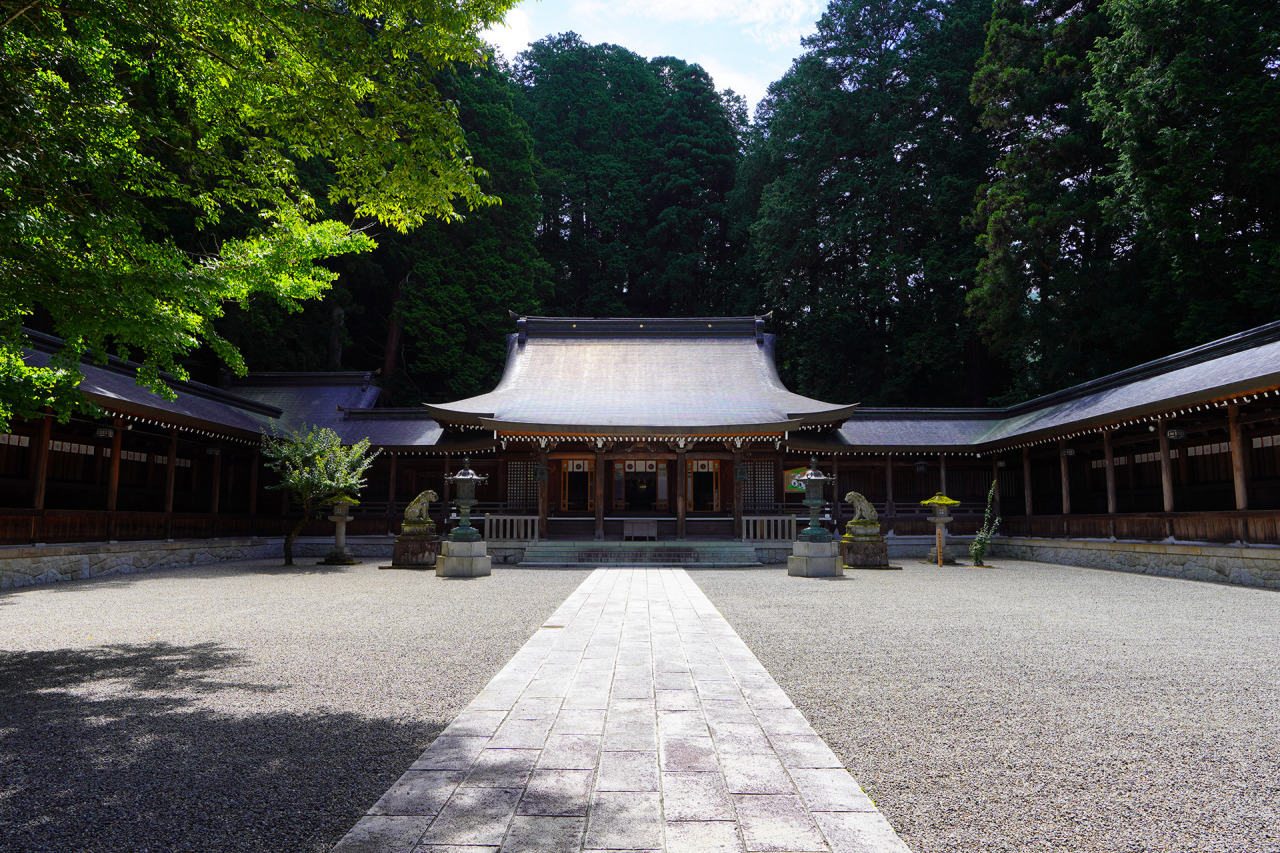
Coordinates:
[768,528]
[25,526]
[510,528]
[1260,527]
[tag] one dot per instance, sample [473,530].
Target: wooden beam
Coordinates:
[1026,480]
[1064,476]
[544,484]
[171,471]
[1109,458]
[599,481]
[888,486]
[1239,460]
[391,484]
[254,462]
[739,491]
[1166,464]
[995,480]
[942,473]
[215,493]
[40,463]
[113,468]
[682,494]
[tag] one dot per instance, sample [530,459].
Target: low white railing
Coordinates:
[766,527]
[510,528]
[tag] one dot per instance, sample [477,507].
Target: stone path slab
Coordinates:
[634,719]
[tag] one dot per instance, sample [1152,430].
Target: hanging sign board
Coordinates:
[792,478]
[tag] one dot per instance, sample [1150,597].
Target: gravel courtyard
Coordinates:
[1033,707]
[249,707]
[237,707]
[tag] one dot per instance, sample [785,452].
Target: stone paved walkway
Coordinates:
[634,719]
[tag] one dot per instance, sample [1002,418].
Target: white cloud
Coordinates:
[512,36]
[771,22]
[750,86]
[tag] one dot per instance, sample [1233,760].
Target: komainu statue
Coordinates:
[417,546]
[417,516]
[862,546]
[862,508]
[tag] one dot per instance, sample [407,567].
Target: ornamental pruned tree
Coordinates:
[317,469]
[151,155]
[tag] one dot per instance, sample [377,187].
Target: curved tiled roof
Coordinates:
[701,375]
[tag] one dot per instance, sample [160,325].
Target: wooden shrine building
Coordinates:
[679,428]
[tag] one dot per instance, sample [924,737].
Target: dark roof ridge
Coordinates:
[315,377]
[751,326]
[1229,345]
[52,345]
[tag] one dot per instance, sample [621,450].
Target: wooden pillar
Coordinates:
[682,496]
[215,493]
[1166,465]
[1239,463]
[1026,480]
[254,462]
[601,468]
[113,470]
[444,491]
[391,485]
[995,481]
[40,463]
[1064,476]
[1109,462]
[888,485]
[739,491]
[544,484]
[171,471]
[835,489]
[942,473]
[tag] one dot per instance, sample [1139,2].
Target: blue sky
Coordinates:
[744,44]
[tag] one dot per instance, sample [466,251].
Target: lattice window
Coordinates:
[522,486]
[760,491]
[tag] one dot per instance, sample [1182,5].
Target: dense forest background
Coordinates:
[944,203]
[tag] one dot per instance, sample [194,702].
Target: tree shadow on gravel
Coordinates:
[109,750]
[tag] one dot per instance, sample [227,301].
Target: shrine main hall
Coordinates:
[679,429]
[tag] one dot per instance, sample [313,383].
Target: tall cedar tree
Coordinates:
[1061,293]
[866,162]
[1188,92]
[635,160]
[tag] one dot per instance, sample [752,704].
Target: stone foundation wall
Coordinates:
[27,565]
[1248,566]
[34,564]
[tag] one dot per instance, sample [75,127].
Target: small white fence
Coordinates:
[510,528]
[756,528]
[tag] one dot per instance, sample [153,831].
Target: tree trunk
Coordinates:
[293,534]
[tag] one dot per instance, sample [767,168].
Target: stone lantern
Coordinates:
[464,553]
[941,517]
[466,480]
[816,552]
[339,555]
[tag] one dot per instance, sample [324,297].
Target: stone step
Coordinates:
[639,553]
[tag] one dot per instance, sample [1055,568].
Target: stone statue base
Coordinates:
[338,556]
[948,558]
[815,560]
[863,547]
[414,551]
[464,560]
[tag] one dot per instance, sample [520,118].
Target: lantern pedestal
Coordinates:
[940,522]
[339,555]
[863,546]
[815,560]
[464,560]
